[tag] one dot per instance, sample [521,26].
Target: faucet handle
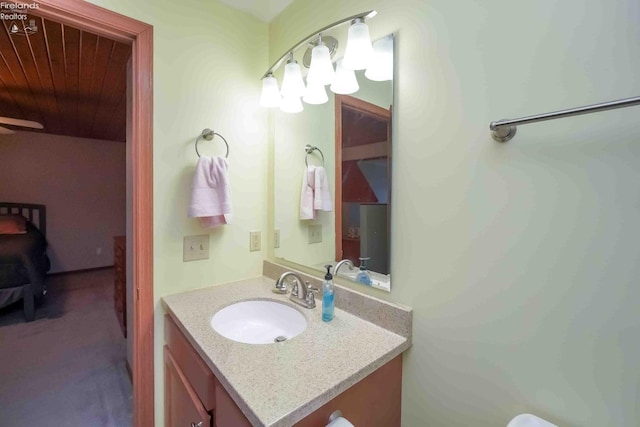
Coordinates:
[311,300]
[294,290]
[310,288]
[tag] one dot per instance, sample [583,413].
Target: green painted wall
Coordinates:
[208,59]
[519,259]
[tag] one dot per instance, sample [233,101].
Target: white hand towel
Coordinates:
[306,194]
[211,193]
[321,196]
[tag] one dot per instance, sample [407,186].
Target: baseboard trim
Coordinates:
[84,270]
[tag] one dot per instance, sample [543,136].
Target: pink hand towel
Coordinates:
[211,193]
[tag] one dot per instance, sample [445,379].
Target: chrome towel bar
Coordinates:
[505,129]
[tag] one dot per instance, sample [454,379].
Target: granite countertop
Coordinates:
[279,384]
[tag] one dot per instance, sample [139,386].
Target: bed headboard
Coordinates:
[37,214]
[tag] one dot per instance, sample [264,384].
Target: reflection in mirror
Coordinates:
[353,134]
[363,142]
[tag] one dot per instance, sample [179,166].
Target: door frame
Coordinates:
[139,36]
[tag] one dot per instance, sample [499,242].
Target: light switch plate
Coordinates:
[255,241]
[315,233]
[276,239]
[195,248]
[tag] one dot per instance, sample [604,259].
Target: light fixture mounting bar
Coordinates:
[364,15]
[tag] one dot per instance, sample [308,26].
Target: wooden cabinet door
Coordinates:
[375,401]
[182,407]
[227,413]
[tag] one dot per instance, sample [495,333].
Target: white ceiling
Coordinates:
[265,10]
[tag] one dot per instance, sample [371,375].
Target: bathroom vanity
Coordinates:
[349,364]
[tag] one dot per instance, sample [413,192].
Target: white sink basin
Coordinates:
[258,322]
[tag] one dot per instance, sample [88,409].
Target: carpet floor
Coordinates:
[68,367]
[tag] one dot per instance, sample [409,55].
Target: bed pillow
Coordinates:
[13,224]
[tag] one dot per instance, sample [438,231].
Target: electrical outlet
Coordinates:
[315,233]
[276,239]
[255,241]
[195,248]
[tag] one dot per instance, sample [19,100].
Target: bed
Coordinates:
[23,258]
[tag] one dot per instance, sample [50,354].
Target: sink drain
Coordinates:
[279,339]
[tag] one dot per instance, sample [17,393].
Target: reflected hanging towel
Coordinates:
[314,195]
[306,194]
[211,193]
[321,196]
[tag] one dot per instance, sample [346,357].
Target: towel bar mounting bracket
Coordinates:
[502,133]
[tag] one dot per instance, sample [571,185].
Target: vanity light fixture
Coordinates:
[321,69]
[315,93]
[291,104]
[292,83]
[345,82]
[359,49]
[381,66]
[270,97]
[293,87]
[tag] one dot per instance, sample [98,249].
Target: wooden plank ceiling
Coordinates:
[71,81]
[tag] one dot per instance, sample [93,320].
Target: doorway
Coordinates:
[139,36]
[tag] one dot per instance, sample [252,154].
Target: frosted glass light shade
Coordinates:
[291,104]
[315,93]
[359,50]
[270,96]
[321,69]
[345,81]
[292,83]
[381,66]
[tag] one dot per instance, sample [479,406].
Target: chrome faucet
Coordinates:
[302,291]
[341,263]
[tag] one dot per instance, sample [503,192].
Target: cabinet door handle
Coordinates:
[196,425]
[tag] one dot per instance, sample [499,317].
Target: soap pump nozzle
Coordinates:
[328,276]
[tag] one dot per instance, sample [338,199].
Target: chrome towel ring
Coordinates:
[208,135]
[310,149]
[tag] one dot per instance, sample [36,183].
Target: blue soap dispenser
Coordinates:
[363,275]
[328,303]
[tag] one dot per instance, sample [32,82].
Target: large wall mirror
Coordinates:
[350,137]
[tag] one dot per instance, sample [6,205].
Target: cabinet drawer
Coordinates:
[195,370]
